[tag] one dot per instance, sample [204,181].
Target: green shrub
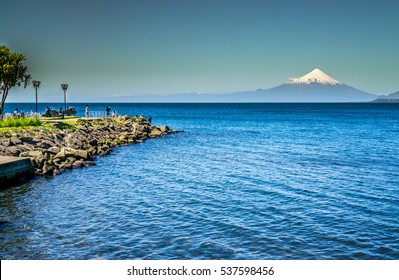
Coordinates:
[20,122]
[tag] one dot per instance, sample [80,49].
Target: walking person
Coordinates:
[108,109]
[113,114]
[87,111]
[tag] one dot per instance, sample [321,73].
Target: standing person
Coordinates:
[113,114]
[149,119]
[87,111]
[108,109]
[141,118]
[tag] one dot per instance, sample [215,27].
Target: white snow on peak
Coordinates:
[316,76]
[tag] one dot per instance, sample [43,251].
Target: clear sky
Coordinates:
[115,48]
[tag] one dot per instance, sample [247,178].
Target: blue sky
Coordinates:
[116,48]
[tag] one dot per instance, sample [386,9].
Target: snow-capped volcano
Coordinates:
[315,86]
[316,76]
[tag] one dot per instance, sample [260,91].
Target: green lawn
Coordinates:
[20,122]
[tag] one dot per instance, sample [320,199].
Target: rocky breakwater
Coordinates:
[55,147]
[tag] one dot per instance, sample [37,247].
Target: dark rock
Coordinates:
[46,155]
[102,153]
[45,144]
[164,128]
[15,140]
[58,137]
[48,168]
[37,158]
[4,152]
[93,142]
[57,161]
[68,164]
[92,151]
[27,147]
[36,140]
[54,150]
[72,142]
[5,142]
[61,155]
[34,154]
[28,140]
[155,132]
[89,163]
[79,154]
[78,164]
[56,172]
[146,128]
[14,150]
[70,159]
[104,147]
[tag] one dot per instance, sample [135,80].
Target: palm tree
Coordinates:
[13,72]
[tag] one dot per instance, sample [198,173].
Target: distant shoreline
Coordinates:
[383,100]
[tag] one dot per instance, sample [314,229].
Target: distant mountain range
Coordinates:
[390,98]
[316,86]
[394,95]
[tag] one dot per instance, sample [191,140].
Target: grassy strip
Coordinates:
[20,122]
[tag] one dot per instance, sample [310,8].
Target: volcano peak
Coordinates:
[316,76]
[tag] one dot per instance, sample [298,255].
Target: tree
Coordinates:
[13,72]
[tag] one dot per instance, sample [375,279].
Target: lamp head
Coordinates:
[36,84]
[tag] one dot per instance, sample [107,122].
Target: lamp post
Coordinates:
[36,84]
[1,90]
[64,87]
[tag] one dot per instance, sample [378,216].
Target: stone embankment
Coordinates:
[53,148]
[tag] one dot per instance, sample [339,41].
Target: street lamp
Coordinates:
[36,84]
[64,87]
[1,90]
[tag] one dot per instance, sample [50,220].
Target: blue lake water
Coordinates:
[244,181]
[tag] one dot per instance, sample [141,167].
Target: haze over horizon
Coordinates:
[108,49]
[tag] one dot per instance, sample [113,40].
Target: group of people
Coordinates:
[107,110]
[60,111]
[142,118]
[18,114]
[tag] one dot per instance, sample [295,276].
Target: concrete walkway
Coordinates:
[59,120]
[14,168]
[68,120]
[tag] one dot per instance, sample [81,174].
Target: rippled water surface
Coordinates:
[244,181]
